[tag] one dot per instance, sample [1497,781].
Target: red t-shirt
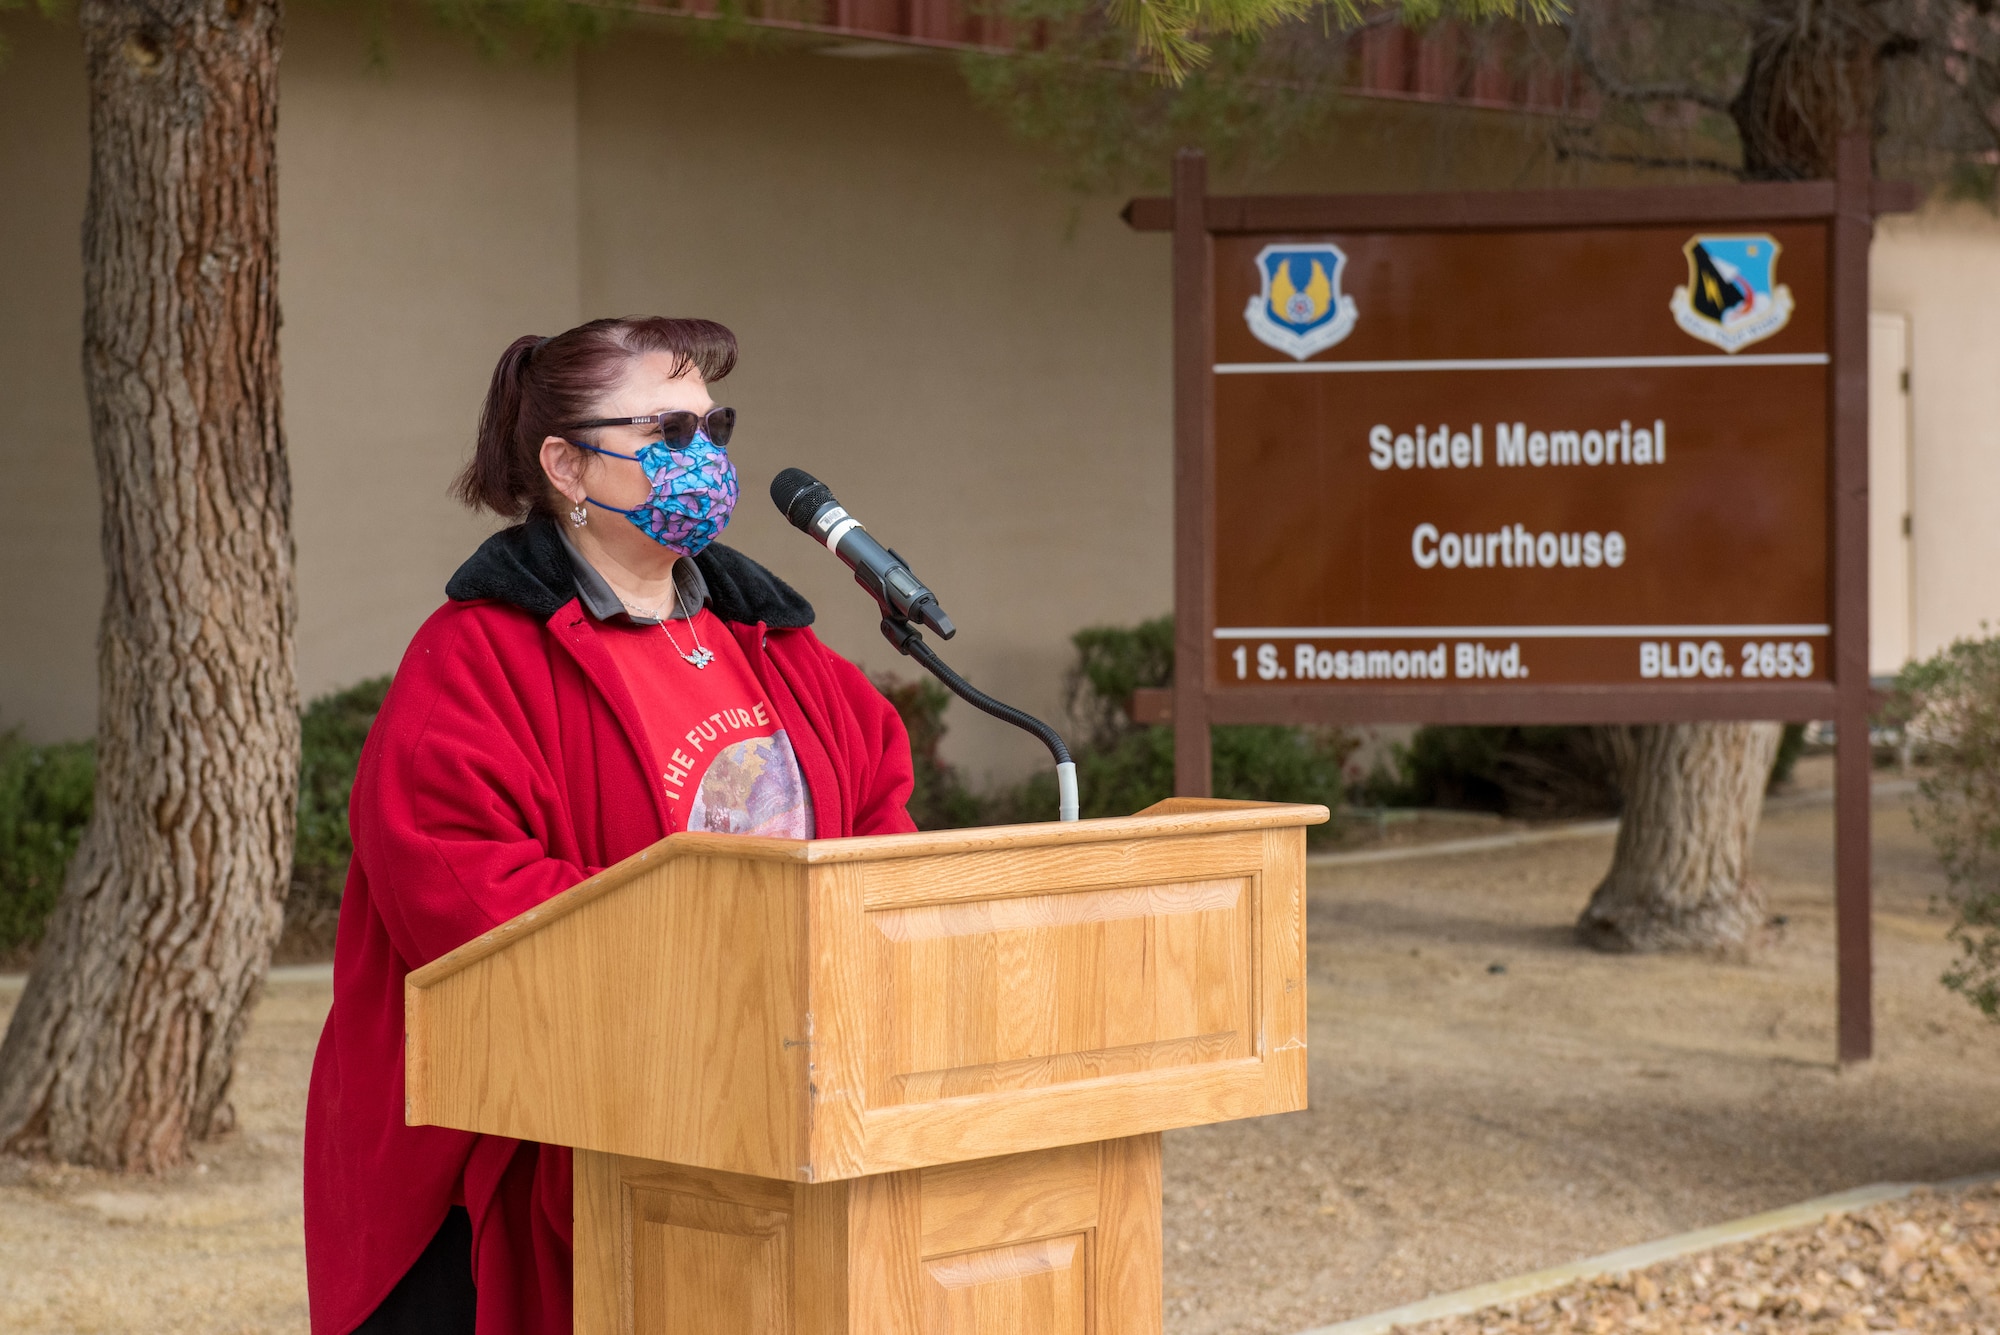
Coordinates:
[723,761]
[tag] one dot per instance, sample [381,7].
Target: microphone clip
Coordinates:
[900,633]
[900,597]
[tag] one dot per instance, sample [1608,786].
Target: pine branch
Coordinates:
[1171,33]
[1623,90]
[1568,153]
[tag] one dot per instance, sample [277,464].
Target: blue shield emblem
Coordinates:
[1300,309]
[1732,298]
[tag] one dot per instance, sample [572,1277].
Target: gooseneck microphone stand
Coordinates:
[909,641]
[808,505]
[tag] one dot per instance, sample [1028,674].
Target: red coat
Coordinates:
[506,766]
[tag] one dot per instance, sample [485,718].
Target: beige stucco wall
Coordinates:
[1942,271]
[54,581]
[978,369]
[427,216]
[975,358]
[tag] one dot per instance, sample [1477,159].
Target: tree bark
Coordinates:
[1680,876]
[120,1051]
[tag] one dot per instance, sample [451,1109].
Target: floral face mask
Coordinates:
[694,491]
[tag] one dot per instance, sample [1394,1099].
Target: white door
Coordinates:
[1891,604]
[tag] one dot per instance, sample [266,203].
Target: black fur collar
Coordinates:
[528,566]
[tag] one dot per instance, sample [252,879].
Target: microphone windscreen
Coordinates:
[799,496]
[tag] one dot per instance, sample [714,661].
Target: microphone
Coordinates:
[809,504]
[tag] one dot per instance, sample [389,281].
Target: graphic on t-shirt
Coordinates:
[724,761]
[753,787]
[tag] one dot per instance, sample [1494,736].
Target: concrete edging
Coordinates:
[1444,848]
[1627,1259]
[1485,843]
[1583,829]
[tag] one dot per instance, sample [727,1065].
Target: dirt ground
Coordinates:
[1467,1124]
[216,1248]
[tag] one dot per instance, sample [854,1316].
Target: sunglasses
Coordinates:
[676,428]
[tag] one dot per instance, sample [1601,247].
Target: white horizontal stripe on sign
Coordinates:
[1526,363]
[1514,632]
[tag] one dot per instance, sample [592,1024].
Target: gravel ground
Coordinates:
[1928,1265]
[1467,1125]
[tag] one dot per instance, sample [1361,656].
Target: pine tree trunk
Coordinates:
[1694,791]
[1680,876]
[120,1051]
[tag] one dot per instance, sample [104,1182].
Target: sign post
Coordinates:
[1580,456]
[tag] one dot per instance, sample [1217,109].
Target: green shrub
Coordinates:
[1122,767]
[44,802]
[1952,706]
[940,800]
[1791,745]
[1250,762]
[45,797]
[1111,663]
[1532,773]
[1527,772]
[331,732]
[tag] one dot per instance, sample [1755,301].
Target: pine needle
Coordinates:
[1170,33]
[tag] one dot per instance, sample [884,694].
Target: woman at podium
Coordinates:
[604,673]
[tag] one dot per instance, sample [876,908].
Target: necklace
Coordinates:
[701,657]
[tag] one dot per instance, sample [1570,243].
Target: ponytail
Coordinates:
[495,478]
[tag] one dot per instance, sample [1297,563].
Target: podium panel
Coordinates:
[1039,989]
[1063,1241]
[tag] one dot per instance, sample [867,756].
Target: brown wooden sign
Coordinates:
[1589,456]
[1516,467]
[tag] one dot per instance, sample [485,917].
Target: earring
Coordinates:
[578,516]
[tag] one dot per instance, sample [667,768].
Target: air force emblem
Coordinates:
[1729,299]
[1300,310]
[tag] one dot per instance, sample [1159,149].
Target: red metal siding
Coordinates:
[1442,63]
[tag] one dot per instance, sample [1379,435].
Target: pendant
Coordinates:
[701,658]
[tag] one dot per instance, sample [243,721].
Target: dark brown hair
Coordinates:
[542,385]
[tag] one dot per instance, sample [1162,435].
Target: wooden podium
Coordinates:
[883,1086]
